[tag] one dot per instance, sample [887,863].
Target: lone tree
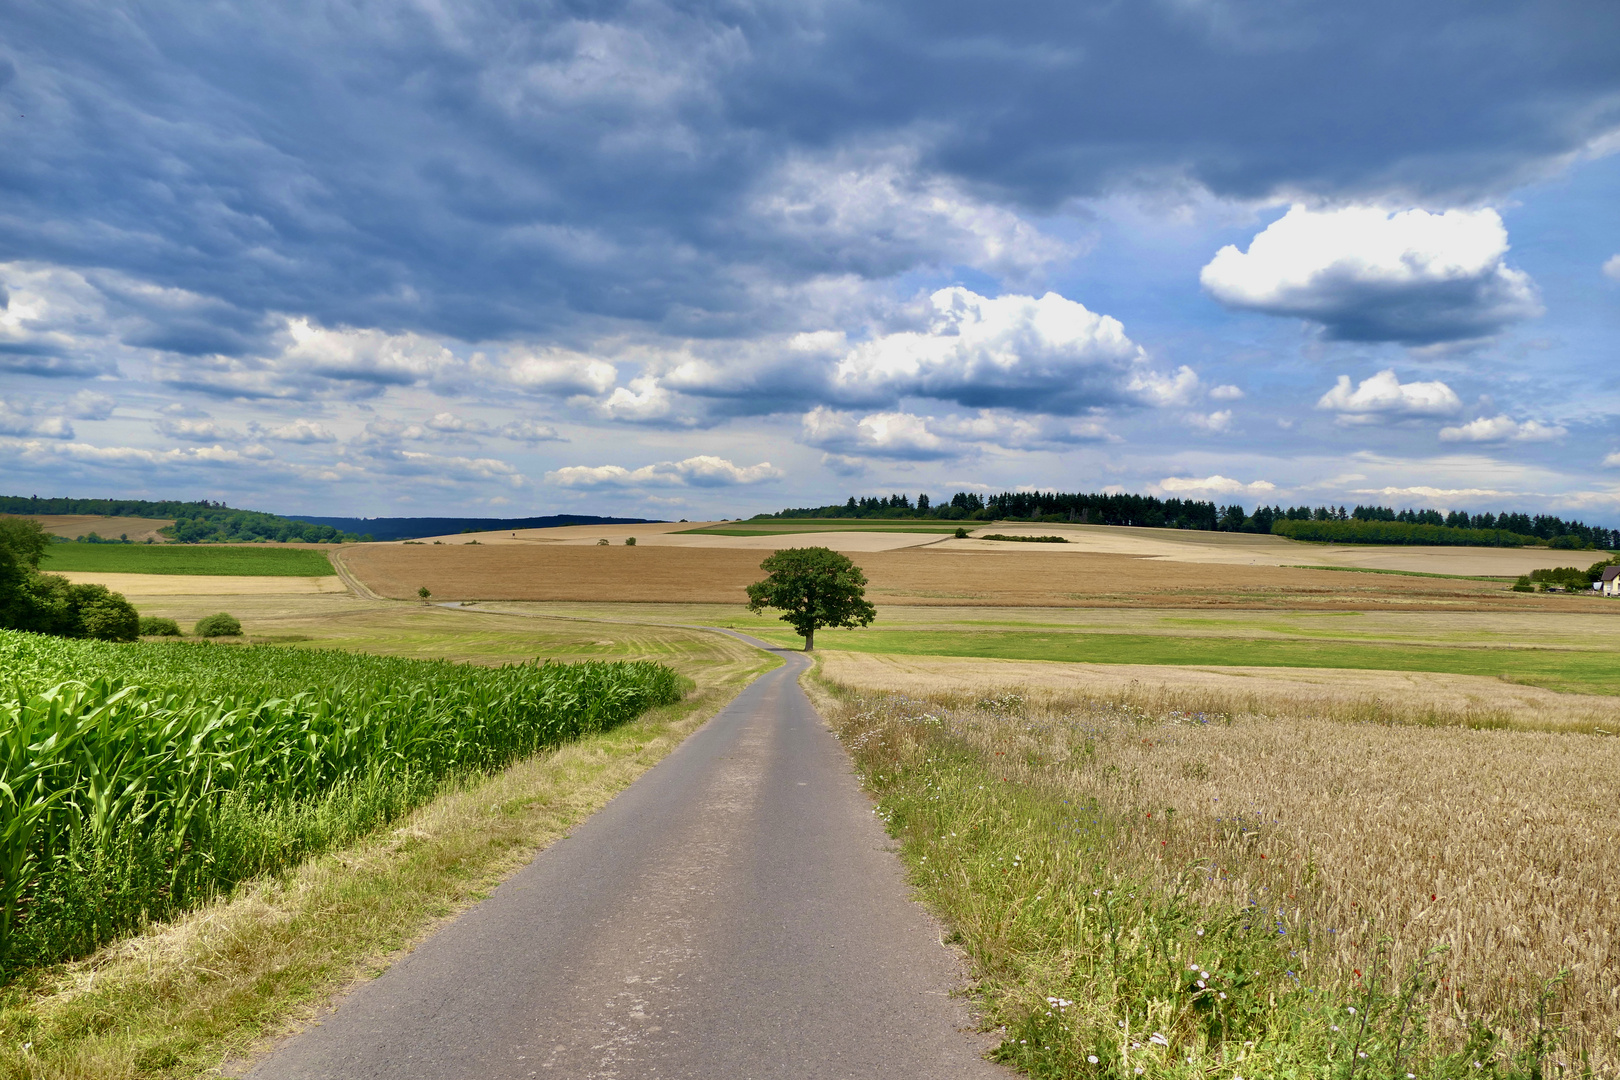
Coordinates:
[813,587]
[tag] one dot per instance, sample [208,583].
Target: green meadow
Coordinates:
[189,559]
[1594,670]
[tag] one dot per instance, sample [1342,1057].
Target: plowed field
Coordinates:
[926,576]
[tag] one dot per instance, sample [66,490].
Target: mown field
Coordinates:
[1593,669]
[790,526]
[222,560]
[140,780]
[1010,575]
[1150,886]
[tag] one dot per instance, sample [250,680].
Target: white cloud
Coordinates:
[89,405]
[23,418]
[1425,492]
[528,431]
[452,424]
[558,372]
[1212,485]
[645,400]
[198,431]
[705,470]
[1612,267]
[1612,461]
[301,430]
[1227,393]
[1216,423]
[1046,354]
[1177,388]
[1384,396]
[1366,274]
[881,214]
[1502,428]
[886,434]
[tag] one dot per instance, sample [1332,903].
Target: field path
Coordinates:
[734,914]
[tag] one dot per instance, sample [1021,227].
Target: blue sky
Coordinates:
[686,259]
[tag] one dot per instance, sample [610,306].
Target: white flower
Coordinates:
[1092,1058]
[1159,1039]
[1352,1010]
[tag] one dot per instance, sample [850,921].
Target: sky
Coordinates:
[703,258]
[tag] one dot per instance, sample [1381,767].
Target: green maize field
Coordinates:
[137,780]
[240,560]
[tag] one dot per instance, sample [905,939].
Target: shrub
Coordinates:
[629,541]
[220,625]
[157,626]
[961,533]
[1523,585]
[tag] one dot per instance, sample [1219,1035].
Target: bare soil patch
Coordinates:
[938,574]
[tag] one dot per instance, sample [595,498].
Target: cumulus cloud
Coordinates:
[1384,397]
[1216,423]
[559,372]
[1502,428]
[704,471]
[1366,274]
[301,430]
[1212,485]
[895,435]
[1423,491]
[198,431]
[89,405]
[1612,267]
[23,418]
[454,424]
[1227,393]
[1612,461]
[528,431]
[1047,354]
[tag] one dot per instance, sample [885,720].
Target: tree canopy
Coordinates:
[48,603]
[813,587]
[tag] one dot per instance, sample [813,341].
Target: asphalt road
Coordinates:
[735,914]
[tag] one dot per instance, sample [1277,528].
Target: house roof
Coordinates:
[1611,572]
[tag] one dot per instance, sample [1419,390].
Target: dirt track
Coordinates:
[924,576]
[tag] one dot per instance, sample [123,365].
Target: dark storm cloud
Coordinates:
[484,171]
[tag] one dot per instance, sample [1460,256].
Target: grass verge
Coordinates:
[233,560]
[1112,936]
[1398,573]
[186,996]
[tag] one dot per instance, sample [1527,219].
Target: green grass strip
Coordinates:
[1401,573]
[189,559]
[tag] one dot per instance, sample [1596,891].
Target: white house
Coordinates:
[1611,581]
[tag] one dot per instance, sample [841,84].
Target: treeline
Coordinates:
[1398,532]
[1363,525]
[50,603]
[194,522]
[1054,506]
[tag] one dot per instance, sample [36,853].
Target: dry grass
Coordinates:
[1350,696]
[929,576]
[220,982]
[1501,846]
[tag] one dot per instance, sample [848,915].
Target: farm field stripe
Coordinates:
[1595,670]
[225,560]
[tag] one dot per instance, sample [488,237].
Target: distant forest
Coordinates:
[411,528]
[1362,525]
[198,522]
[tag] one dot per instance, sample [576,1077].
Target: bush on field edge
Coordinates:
[220,625]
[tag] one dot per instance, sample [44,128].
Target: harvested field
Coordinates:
[72,526]
[207,584]
[1410,697]
[933,575]
[1368,845]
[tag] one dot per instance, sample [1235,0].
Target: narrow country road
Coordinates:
[733,915]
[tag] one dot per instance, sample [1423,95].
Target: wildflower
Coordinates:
[1200,933]
[1158,1039]
[1352,1010]
[1092,1058]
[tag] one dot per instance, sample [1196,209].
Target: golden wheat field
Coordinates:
[1502,847]
[928,576]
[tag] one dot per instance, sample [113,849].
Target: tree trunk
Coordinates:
[809,639]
